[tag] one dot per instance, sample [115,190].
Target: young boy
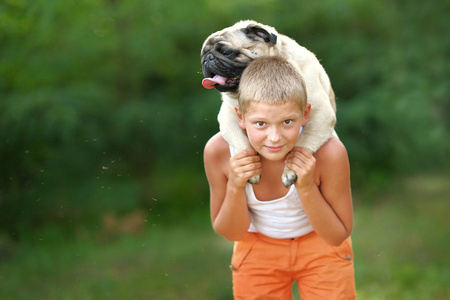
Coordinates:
[282,235]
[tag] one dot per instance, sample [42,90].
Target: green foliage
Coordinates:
[101,106]
[400,241]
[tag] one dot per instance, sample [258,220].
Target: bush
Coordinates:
[104,93]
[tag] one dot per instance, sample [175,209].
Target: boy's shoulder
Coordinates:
[332,151]
[216,148]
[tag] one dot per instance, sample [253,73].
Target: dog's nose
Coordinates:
[209,58]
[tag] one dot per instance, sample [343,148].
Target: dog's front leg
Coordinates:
[319,129]
[233,134]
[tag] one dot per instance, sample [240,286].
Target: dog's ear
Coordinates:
[255,31]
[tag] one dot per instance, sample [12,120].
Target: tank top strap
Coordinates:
[232,151]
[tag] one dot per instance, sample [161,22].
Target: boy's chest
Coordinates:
[270,187]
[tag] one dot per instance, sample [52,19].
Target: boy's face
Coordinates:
[273,129]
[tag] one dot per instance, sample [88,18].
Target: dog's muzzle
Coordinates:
[221,70]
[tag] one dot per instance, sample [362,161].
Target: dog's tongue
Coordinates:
[210,82]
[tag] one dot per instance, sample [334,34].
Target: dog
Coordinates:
[224,56]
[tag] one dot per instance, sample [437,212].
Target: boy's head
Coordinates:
[271,80]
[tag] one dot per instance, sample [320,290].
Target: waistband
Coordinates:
[267,239]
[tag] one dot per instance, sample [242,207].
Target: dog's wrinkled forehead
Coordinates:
[244,35]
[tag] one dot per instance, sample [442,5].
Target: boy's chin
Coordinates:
[273,156]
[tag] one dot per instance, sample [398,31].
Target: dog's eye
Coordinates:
[225,51]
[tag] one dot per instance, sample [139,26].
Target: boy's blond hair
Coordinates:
[271,80]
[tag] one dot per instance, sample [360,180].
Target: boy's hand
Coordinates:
[303,163]
[244,165]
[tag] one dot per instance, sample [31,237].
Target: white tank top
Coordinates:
[280,218]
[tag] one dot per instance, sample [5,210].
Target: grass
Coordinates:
[175,262]
[401,244]
[401,241]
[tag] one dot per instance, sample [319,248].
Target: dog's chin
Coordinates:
[232,74]
[231,86]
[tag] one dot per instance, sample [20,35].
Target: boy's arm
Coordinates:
[323,185]
[227,178]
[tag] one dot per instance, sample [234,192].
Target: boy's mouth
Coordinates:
[274,149]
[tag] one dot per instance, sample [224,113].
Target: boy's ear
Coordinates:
[240,117]
[306,114]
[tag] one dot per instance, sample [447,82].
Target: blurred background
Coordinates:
[103,120]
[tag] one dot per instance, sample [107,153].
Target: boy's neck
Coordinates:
[270,187]
[272,166]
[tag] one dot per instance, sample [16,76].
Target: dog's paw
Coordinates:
[255,179]
[288,177]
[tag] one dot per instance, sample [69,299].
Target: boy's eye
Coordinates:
[260,124]
[288,122]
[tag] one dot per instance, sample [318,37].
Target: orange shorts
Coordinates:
[265,268]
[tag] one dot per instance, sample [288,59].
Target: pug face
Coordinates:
[226,53]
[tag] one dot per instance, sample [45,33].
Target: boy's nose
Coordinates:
[274,135]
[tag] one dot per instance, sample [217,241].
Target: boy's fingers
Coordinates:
[247,152]
[302,150]
[244,161]
[246,156]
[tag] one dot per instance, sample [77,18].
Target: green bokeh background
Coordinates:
[102,109]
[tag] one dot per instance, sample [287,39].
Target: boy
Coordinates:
[301,233]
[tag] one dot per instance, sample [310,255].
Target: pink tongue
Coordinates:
[210,82]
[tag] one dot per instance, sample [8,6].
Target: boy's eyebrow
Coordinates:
[293,115]
[290,116]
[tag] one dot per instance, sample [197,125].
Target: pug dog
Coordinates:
[224,56]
